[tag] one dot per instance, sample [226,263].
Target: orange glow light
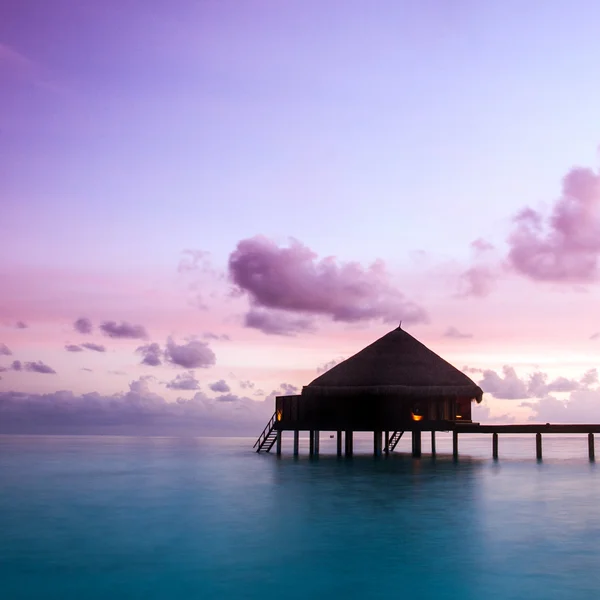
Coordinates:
[416,417]
[279,415]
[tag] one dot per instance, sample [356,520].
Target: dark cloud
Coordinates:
[123,330]
[39,367]
[21,325]
[190,355]
[136,412]
[152,354]
[564,246]
[274,322]
[94,347]
[5,350]
[16,365]
[220,386]
[83,325]
[73,348]
[184,381]
[294,280]
[455,334]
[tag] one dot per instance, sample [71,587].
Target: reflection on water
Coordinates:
[207,518]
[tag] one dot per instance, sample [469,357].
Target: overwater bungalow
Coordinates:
[394,385]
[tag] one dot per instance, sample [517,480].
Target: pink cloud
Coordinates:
[477,281]
[73,348]
[220,386]
[293,279]
[137,411]
[191,355]
[83,325]
[184,381]
[509,386]
[94,347]
[5,350]
[455,334]
[39,367]
[124,330]
[273,322]
[152,354]
[566,245]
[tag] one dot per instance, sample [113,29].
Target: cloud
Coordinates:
[477,281]
[73,348]
[329,365]
[595,336]
[3,369]
[21,325]
[509,386]
[480,245]
[39,367]
[214,336]
[582,406]
[16,365]
[94,347]
[86,369]
[138,411]
[220,386]
[152,354]
[284,389]
[293,279]
[455,334]
[247,384]
[83,325]
[274,322]
[5,350]
[564,246]
[191,355]
[184,381]
[124,330]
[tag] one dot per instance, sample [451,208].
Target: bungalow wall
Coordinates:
[367,412]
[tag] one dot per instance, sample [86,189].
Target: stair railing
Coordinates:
[263,436]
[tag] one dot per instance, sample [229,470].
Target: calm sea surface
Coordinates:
[168,518]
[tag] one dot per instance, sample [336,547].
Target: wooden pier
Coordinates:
[385,442]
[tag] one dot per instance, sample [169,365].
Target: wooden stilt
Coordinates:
[279,432]
[433,443]
[538,446]
[339,443]
[317,442]
[296,442]
[377,443]
[455,444]
[495,445]
[591,449]
[387,442]
[416,443]
[311,442]
[349,441]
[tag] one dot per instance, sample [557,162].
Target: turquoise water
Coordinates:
[109,517]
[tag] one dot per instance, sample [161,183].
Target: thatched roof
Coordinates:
[396,364]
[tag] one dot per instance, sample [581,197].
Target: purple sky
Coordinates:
[232,195]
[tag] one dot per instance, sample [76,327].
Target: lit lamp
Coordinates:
[416,417]
[279,414]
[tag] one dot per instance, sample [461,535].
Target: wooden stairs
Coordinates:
[394,441]
[268,437]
